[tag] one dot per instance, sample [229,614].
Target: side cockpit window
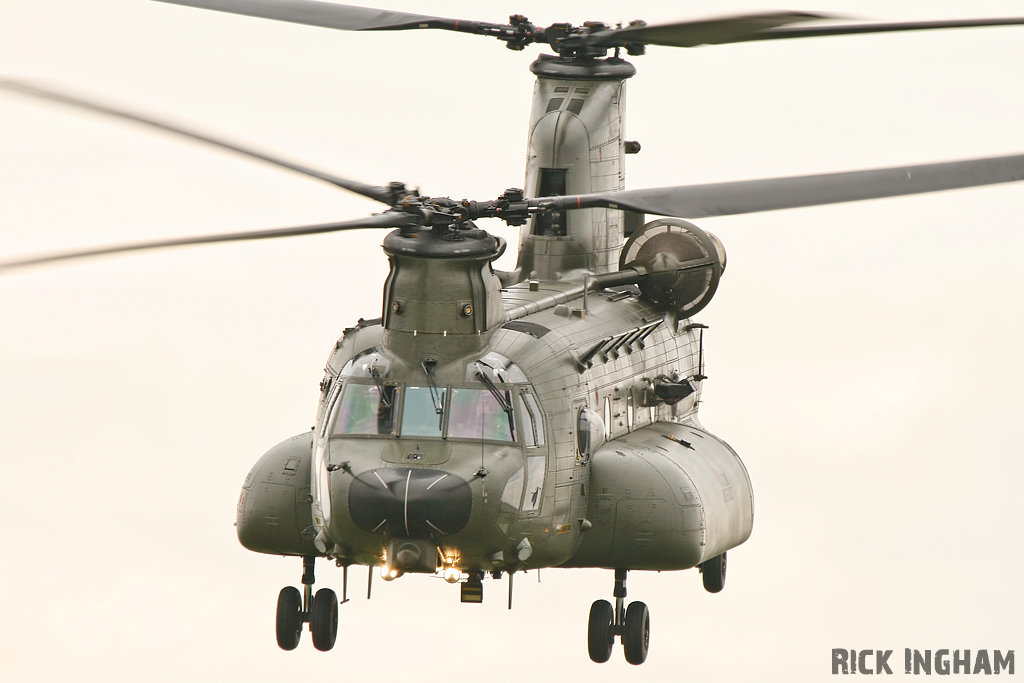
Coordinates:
[365,409]
[531,422]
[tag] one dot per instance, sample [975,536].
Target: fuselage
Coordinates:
[542,423]
[660,493]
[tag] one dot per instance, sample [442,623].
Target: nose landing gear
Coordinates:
[320,611]
[632,625]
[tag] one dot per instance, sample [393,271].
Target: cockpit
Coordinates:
[498,404]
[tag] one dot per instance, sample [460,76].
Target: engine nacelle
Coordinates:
[683,264]
[274,514]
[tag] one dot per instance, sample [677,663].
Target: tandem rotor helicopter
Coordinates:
[490,422]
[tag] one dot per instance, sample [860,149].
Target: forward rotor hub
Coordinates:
[447,216]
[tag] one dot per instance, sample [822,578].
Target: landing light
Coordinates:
[452,575]
[389,574]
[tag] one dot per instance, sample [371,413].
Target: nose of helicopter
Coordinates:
[410,502]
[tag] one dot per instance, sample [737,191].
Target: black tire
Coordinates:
[600,635]
[637,634]
[323,622]
[289,618]
[713,572]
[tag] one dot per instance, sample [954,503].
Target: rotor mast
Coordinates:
[575,147]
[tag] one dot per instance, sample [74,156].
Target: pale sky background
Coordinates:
[864,360]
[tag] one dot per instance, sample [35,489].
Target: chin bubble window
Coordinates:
[534,483]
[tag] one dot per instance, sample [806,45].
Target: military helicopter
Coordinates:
[614,336]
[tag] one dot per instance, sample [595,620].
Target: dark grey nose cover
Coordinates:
[410,502]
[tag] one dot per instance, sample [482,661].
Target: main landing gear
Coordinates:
[713,573]
[320,611]
[632,625]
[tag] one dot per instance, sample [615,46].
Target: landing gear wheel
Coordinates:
[289,618]
[713,572]
[600,633]
[637,633]
[323,622]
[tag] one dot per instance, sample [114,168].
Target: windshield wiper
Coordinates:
[505,404]
[504,399]
[436,397]
[380,384]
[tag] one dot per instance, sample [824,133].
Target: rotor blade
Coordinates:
[380,194]
[332,15]
[817,31]
[750,196]
[390,219]
[702,32]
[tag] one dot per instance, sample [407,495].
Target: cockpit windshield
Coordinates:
[421,415]
[380,409]
[476,414]
[362,410]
